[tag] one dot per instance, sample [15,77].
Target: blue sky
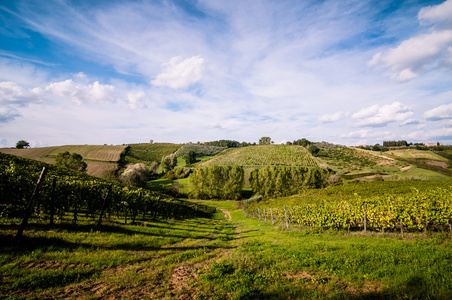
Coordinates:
[349,72]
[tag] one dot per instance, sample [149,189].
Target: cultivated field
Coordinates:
[263,155]
[148,153]
[101,159]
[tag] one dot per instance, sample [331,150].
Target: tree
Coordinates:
[22,144]
[190,158]
[265,140]
[169,162]
[376,147]
[302,142]
[313,150]
[72,161]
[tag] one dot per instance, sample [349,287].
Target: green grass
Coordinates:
[219,259]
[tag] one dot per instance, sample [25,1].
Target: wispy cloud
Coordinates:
[179,73]
[381,115]
[439,113]
[334,117]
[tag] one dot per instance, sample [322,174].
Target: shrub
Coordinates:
[136,175]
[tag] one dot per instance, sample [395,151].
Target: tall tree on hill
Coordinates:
[265,140]
[22,144]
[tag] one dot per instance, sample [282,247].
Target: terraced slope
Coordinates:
[264,155]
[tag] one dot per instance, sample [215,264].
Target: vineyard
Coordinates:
[264,155]
[68,194]
[415,206]
[148,153]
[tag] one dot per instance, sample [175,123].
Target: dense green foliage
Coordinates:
[72,161]
[22,144]
[216,182]
[402,143]
[198,149]
[265,140]
[69,192]
[284,181]
[228,144]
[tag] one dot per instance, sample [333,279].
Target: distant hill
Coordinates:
[101,159]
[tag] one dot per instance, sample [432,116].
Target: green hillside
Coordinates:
[148,153]
[263,155]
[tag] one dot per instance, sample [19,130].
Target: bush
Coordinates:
[136,175]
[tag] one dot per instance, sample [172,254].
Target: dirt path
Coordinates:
[227,214]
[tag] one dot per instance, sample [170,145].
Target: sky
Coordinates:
[349,72]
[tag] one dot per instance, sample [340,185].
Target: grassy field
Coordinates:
[412,153]
[225,257]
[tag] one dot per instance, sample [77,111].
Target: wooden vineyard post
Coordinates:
[265,216]
[52,202]
[450,225]
[156,207]
[401,227]
[31,203]
[104,205]
[285,213]
[259,212]
[365,217]
[271,212]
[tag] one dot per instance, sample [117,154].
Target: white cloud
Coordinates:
[12,93]
[420,53]
[334,117]
[377,115]
[80,93]
[410,122]
[135,100]
[439,113]
[180,73]
[437,13]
